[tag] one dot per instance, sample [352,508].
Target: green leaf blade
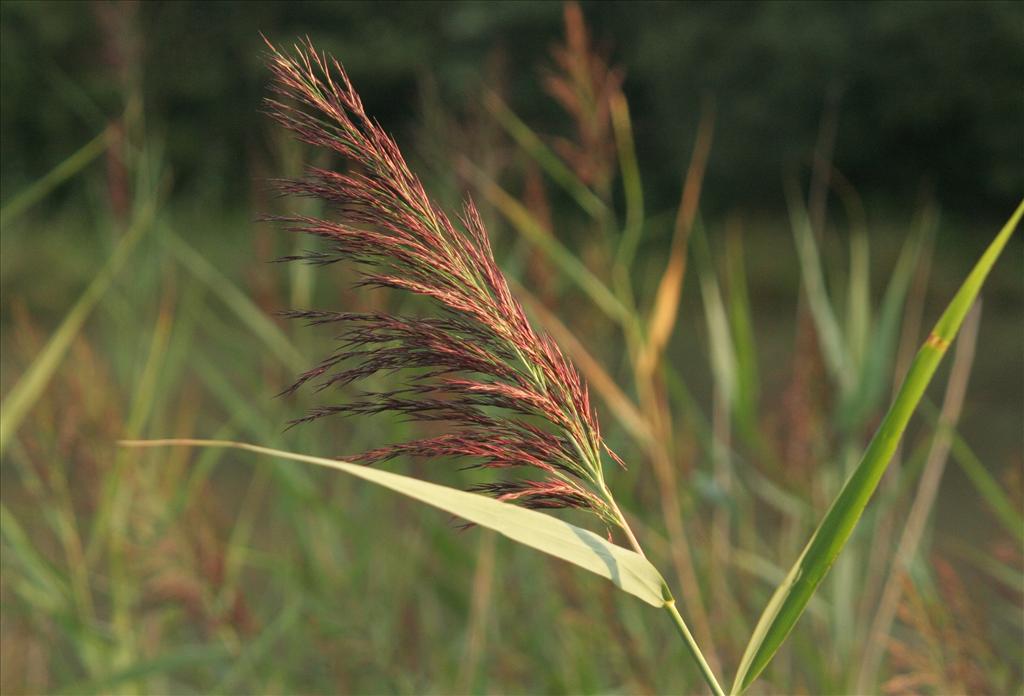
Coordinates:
[628,570]
[18,402]
[792,596]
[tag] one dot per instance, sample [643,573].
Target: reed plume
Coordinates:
[585,84]
[510,397]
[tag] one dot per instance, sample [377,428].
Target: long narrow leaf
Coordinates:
[874,365]
[830,336]
[924,501]
[665,310]
[632,187]
[23,395]
[39,189]
[546,158]
[858,297]
[741,324]
[790,599]
[235,299]
[627,569]
[527,225]
[987,486]
[720,344]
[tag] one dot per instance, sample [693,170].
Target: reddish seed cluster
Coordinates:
[479,355]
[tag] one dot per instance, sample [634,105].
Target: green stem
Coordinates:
[670,606]
[622,520]
[695,652]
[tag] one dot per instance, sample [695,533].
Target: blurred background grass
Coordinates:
[136,159]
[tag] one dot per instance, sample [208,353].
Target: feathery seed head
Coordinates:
[512,399]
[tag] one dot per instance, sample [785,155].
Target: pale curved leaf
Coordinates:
[628,570]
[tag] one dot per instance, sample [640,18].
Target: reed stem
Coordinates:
[691,644]
[670,607]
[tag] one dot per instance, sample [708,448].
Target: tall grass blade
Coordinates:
[40,584]
[259,650]
[632,187]
[627,569]
[20,399]
[858,298]
[167,662]
[665,310]
[481,605]
[244,308]
[529,227]
[559,172]
[789,600]
[874,371]
[38,190]
[720,343]
[723,368]
[924,502]
[830,336]
[988,487]
[741,323]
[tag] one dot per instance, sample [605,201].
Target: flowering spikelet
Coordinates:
[511,398]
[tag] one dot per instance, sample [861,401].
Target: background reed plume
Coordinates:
[512,399]
[202,570]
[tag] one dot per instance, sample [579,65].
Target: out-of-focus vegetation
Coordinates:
[925,91]
[137,302]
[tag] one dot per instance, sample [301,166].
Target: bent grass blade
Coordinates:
[39,189]
[790,599]
[627,569]
[559,172]
[26,391]
[830,335]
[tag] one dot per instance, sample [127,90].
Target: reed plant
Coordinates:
[176,571]
[504,393]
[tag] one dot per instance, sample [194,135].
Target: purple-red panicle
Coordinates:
[510,396]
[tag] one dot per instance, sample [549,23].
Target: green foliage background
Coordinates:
[143,572]
[926,91]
